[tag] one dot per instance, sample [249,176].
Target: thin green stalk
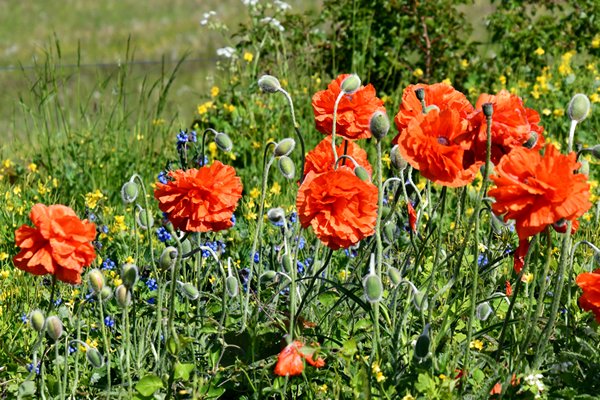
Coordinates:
[296,129]
[106,345]
[379,248]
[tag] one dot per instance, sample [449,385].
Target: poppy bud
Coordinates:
[144,219]
[483,311]
[488,109]
[129,274]
[129,192]
[223,142]
[579,107]
[394,275]
[105,294]
[96,280]
[596,151]
[284,147]
[173,345]
[37,320]
[276,215]
[94,357]
[287,263]
[168,257]
[54,327]
[373,288]
[532,141]
[123,296]
[396,158]
[269,84]
[287,167]
[389,230]
[186,246]
[270,275]
[379,125]
[422,344]
[420,93]
[362,173]
[231,284]
[189,291]
[350,84]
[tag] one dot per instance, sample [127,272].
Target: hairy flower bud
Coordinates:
[123,296]
[396,158]
[483,311]
[362,173]
[532,141]
[223,142]
[96,280]
[143,219]
[276,215]
[579,107]
[168,257]
[54,327]
[422,344]
[189,291]
[37,320]
[420,93]
[105,294]
[394,275]
[269,84]
[284,147]
[373,288]
[286,167]
[379,125]
[129,274]
[129,192]
[231,284]
[350,84]
[94,357]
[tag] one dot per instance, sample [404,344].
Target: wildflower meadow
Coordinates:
[362,200]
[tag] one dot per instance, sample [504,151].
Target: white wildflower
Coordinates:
[228,52]
[273,22]
[282,5]
[206,17]
[536,381]
[251,3]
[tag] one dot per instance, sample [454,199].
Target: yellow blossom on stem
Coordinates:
[214,91]
[248,57]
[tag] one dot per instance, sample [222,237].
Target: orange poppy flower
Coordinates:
[589,282]
[200,200]
[520,254]
[354,110]
[341,208]
[537,191]
[412,217]
[434,143]
[320,159]
[512,124]
[289,361]
[508,288]
[60,243]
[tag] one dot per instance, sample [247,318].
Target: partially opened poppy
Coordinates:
[354,110]
[340,207]
[435,143]
[520,254]
[539,190]
[412,217]
[320,159]
[290,363]
[60,243]
[589,282]
[200,200]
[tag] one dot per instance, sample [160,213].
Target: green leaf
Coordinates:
[148,385]
[349,348]
[183,371]
[26,389]
[478,375]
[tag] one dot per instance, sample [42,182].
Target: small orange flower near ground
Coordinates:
[290,363]
[200,200]
[589,282]
[60,243]
[509,290]
[412,217]
[320,159]
[520,254]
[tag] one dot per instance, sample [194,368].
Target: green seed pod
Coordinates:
[362,174]
[276,215]
[579,107]
[143,219]
[129,192]
[585,167]
[532,141]
[488,109]
[168,257]
[379,125]
[123,296]
[287,263]
[431,107]
[394,275]
[94,357]
[223,142]
[189,291]
[396,158]
[420,301]
[373,288]
[54,327]
[37,320]
[231,284]
[483,311]
[284,147]
[186,246]
[129,274]
[269,84]
[350,84]
[269,275]
[96,280]
[173,345]
[389,230]
[422,344]
[105,294]
[286,167]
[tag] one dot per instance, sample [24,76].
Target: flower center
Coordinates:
[443,141]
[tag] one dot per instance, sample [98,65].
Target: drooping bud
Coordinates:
[37,320]
[579,107]
[287,263]
[379,125]
[96,280]
[129,274]
[422,344]
[488,109]
[286,167]
[396,158]
[483,311]
[394,275]
[269,275]
[144,219]
[168,257]
[54,327]
[350,84]
[105,294]
[532,141]
[123,296]
[284,147]
[276,215]
[129,192]
[231,284]
[269,84]
[189,291]
[372,286]
[223,142]
[186,246]
[94,357]
[362,173]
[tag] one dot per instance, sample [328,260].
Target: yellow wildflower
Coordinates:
[17,191]
[464,63]
[595,98]
[4,274]
[7,164]
[418,73]
[251,216]
[229,107]
[251,204]
[322,388]
[119,224]
[596,42]
[408,396]
[502,80]
[386,159]
[204,107]
[559,112]
[343,275]
[212,147]
[254,193]
[214,91]
[91,199]
[539,51]
[117,282]
[546,111]
[276,189]
[248,57]
[130,260]
[32,167]
[256,145]
[476,344]
[447,81]
[158,121]
[527,278]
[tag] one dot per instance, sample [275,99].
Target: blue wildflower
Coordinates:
[293,217]
[109,322]
[162,177]
[58,302]
[108,264]
[233,220]
[151,300]
[151,284]
[30,368]
[104,229]
[300,265]
[163,234]
[24,318]
[182,139]
[256,257]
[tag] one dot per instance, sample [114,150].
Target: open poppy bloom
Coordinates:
[200,200]
[320,159]
[60,243]
[290,363]
[341,208]
[353,113]
[435,143]
[512,124]
[539,190]
[589,282]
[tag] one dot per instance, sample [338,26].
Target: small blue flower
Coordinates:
[162,177]
[163,234]
[351,252]
[233,220]
[108,264]
[109,322]
[300,266]
[182,139]
[58,302]
[30,368]
[203,162]
[301,242]
[103,229]
[256,257]
[293,217]
[72,350]
[92,217]
[193,137]
[482,260]
[151,300]
[97,244]
[151,284]
[24,318]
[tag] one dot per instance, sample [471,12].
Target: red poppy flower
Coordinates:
[354,110]
[589,282]
[436,145]
[341,208]
[412,217]
[520,254]
[508,287]
[60,243]
[200,200]
[289,361]
[512,124]
[537,191]
[320,159]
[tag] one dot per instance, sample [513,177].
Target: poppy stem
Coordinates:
[571,136]
[335,108]
[296,129]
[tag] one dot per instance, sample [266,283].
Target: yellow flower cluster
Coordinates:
[92,199]
[119,224]
[379,377]
[205,107]
[565,63]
